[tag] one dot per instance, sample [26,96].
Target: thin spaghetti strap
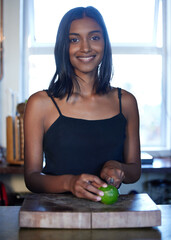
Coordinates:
[119,96]
[54,102]
[56,105]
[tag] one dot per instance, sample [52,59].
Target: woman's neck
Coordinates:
[85,84]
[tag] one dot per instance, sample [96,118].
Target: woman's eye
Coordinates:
[95,38]
[74,40]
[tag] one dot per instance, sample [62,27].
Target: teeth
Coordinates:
[86,59]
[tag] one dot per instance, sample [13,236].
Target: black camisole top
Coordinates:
[75,146]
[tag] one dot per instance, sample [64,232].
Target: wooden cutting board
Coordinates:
[67,211]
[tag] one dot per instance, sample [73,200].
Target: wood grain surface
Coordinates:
[64,211]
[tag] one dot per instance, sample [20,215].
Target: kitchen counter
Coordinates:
[9,229]
[6,168]
[159,165]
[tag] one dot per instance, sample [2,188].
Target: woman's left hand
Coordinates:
[112,172]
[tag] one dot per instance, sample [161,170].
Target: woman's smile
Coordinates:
[86,59]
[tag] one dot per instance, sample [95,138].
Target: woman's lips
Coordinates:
[86,59]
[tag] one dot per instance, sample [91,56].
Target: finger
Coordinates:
[119,177]
[106,178]
[117,181]
[96,185]
[117,184]
[93,189]
[113,180]
[88,195]
[96,181]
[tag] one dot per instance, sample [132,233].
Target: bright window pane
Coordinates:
[128,21]
[139,74]
[41,71]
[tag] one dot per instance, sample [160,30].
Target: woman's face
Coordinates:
[86,45]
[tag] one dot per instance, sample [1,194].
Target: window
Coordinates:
[137,30]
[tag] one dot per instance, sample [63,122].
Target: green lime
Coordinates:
[111,194]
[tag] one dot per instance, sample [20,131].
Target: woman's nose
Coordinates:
[85,46]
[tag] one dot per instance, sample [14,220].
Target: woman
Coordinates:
[88,130]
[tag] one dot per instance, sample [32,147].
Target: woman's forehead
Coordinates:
[83,24]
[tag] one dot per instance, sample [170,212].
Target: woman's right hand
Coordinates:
[86,186]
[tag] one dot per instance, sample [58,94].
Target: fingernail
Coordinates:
[101,193]
[98,198]
[104,185]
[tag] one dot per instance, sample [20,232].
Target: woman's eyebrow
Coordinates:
[95,31]
[74,34]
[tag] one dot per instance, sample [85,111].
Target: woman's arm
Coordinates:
[130,170]
[83,186]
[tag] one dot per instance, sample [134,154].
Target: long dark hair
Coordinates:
[62,82]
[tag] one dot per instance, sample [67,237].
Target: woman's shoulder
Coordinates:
[129,103]
[39,97]
[38,101]
[125,95]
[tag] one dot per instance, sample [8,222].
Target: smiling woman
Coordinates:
[88,130]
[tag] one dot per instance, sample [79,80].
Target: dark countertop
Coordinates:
[6,168]
[159,165]
[9,229]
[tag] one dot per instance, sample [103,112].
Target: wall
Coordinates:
[12,70]
[12,76]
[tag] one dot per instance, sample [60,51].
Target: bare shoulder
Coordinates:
[129,103]
[38,102]
[38,97]
[128,97]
